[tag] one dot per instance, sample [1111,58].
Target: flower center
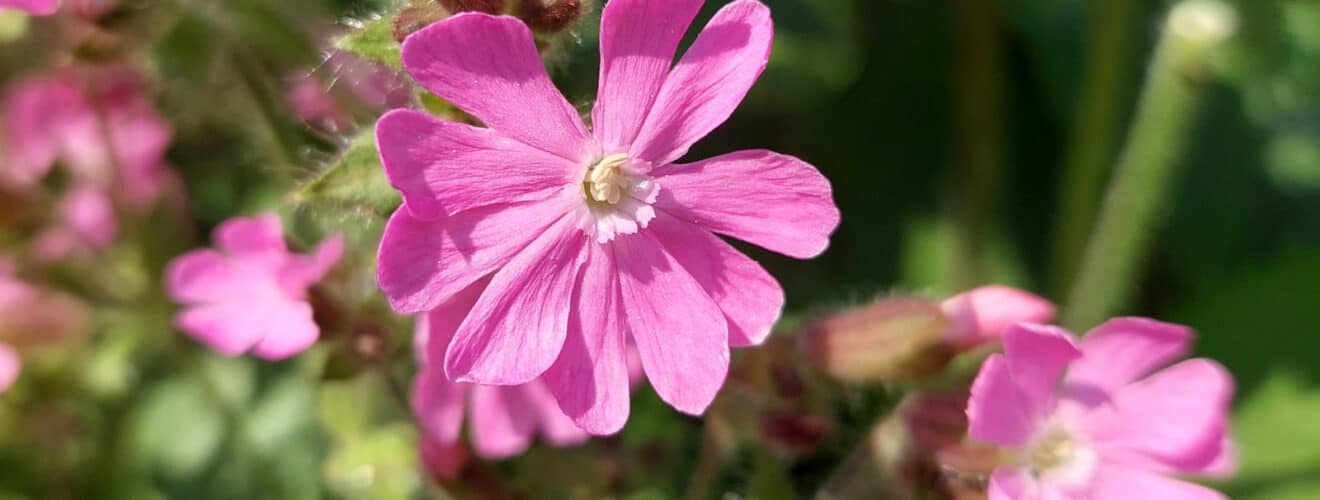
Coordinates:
[1061,457]
[1054,450]
[606,182]
[618,196]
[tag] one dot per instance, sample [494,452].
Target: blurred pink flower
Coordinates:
[87,221]
[984,314]
[94,120]
[31,315]
[252,294]
[1098,419]
[374,85]
[38,7]
[10,365]
[589,235]
[503,420]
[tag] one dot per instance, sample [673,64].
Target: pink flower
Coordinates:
[32,315]
[1098,419]
[577,238]
[87,222]
[38,7]
[96,122]
[252,294]
[984,314]
[503,420]
[10,365]
[374,85]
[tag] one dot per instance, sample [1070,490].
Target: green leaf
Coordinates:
[178,428]
[374,42]
[1279,442]
[355,181]
[382,465]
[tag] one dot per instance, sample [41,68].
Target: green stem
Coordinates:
[1094,135]
[978,164]
[1146,168]
[716,445]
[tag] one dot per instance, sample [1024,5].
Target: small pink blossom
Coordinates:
[1098,418]
[33,315]
[10,365]
[94,121]
[252,293]
[578,239]
[87,222]
[315,102]
[502,420]
[37,7]
[984,314]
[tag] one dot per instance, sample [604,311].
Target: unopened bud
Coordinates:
[895,339]
[550,15]
[487,6]
[411,19]
[1203,21]
[795,433]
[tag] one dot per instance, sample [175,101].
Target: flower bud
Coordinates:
[411,19]
[487,6]
[893,339]
[550,15]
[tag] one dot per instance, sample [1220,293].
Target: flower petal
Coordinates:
[997,411]
[517,328]
[205,275]
[489,67]
[556,428]
[438,404]
[1125,349]
[443,168]
[302,271]
[1176,417]
[260,237]
[10,365]
[750,298]
[983,314]
[775,201]
[680,333]
[35,7]
[502,421]
[422,263]
[1113,482]
[590,378]
[230,328]
[637,43]
[289,331]
[438,401]
[708,83]
[443,321]
[1037,355]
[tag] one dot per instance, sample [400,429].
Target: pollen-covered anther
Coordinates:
[606,182]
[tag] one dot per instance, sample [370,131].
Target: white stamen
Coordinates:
[606,182]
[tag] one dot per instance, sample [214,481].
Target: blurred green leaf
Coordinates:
[373,41]
[178,428]
[1278,441]
[381,466]
[354,181]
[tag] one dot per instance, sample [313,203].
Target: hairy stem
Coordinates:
[1094,135]
[977,168]
[1146,168]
